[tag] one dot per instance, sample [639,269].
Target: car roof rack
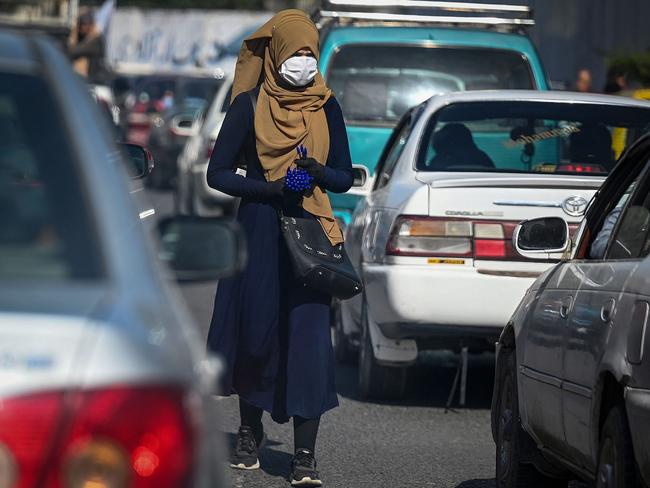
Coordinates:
[424,12]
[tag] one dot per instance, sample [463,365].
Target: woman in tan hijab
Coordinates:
[273,332]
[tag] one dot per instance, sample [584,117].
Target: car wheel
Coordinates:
[511,472]
[375,380]
[616,466]
[343,349]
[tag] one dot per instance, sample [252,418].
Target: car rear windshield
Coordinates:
[45,229]
[530,137]
[379,83]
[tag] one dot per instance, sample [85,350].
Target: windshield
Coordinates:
[380,83]
[530,137]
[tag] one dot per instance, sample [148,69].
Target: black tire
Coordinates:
[375,380]
[511,472]
[343,349]
[616,465]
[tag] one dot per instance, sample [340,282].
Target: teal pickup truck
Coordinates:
[378,69]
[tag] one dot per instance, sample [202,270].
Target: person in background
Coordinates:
[272,332]
[583,81]
[86,50]
[616,81]
[167,100]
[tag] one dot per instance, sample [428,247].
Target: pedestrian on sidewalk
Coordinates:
[272,332]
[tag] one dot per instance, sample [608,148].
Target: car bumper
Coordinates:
[415,300]
[637,401]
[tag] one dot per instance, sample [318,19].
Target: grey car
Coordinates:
[103,378]
[572,387]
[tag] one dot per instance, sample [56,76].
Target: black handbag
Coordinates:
[316,262]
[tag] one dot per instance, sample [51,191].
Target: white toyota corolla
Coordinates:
[433,239]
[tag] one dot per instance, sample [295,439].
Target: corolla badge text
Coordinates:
[469,213]
[575,206]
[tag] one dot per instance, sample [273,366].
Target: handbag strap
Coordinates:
[252,96]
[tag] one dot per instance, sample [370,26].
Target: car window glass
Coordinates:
[44,225]
[398,142]
[630,240]
[379,83]
[601,239]
[529,137]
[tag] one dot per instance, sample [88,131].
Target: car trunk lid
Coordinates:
[508,199]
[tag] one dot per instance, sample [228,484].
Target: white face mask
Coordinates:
[299,70]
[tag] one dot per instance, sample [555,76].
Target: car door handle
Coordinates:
[565,307]
[607,310]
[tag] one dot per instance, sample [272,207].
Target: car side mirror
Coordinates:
[360,174]
[139,160]
[182,125]
[545,235]
[199,248]
[362,182]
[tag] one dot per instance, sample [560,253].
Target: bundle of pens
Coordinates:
[298,179]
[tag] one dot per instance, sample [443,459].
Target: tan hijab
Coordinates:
[286,118]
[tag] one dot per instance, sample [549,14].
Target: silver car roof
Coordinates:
[535,96]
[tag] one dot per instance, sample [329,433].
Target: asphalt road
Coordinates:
[410,443]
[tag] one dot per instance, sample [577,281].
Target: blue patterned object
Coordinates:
[298,179]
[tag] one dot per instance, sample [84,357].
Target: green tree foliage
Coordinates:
[634,66]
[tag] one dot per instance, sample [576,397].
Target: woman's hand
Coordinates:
[314,168]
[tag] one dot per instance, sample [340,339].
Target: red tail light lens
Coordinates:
[489,249]
[27,429]
[112,438]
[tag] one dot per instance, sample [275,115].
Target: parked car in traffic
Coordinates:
[193,195]
[572,385]
[432,241]
[380,64]
[103,380]
[170,130]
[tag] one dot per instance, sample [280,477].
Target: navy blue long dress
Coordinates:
[273,333]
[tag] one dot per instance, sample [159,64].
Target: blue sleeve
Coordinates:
[338,168]
[234,133]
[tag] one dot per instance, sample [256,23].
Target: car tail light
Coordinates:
[422,236]
[138,120]
[433,236]
[109,438]
[27,429]
[580,168]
